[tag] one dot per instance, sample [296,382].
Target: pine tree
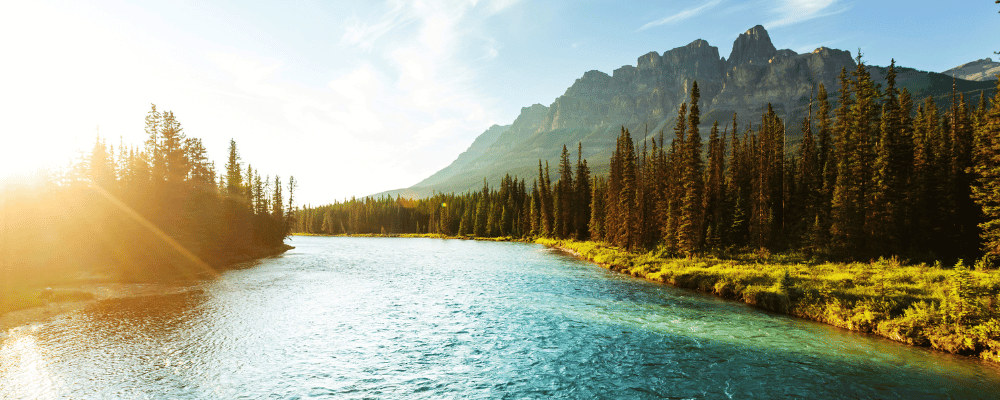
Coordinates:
[482,211]
[931,211]
[986,190]
[884,222]
[567,196]
[536,211]
[234,177]
[101,170]
[690,226]
[157,164]
[598,216]
[855,118]
[176,166]
[546,212]
[669,208]
[967,214]
[626,230]
[715,188]
[612,211]
[289,220]
[583,195]
[761,147]
[277,203]
[809,180]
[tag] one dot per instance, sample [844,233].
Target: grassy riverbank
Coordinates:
[953,309]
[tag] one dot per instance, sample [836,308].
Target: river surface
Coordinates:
[428,318]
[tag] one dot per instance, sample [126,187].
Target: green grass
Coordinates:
[953,309]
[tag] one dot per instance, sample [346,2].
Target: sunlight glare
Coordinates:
[22,362]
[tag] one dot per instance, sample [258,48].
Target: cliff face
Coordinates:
[752,47]
[650,90]
[644,98]
[649,93]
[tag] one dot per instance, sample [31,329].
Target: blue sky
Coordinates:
[355,98]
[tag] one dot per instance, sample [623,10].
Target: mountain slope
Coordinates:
[979,70]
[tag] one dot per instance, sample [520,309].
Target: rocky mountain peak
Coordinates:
[752,47]
[592,82]
[644,98]
[698,43]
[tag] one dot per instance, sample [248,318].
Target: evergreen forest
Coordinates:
[875,174]
[139,213]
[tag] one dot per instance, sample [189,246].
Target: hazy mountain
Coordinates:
[644,98]
[979,70]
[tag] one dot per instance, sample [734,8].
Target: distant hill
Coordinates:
[980,70]
[645,97]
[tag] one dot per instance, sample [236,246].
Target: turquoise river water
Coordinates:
[426,318]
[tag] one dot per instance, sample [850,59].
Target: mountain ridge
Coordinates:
[644,99]
[980,70]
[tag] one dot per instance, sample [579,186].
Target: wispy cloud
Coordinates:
[365,34]
[683,15]
[497,6]
[408,103]
[795,11]
[491,50]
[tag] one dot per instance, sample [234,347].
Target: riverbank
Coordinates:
[37,303]
[956,310]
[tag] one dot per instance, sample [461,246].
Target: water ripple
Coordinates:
[422,318]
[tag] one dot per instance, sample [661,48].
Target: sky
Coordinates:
[359,97]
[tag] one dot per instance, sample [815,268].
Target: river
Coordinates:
[428,318]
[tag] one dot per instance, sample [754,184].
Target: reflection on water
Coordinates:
[423,318]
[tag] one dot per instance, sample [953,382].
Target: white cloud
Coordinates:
[683,15]
[795,11]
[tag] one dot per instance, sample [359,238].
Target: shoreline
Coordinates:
[767,286]
[89,290]
[419,235]
[788,300]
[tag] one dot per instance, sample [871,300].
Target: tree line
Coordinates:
[874,174]
[158,210]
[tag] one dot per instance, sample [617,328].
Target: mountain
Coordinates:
[979,70]
[644,98]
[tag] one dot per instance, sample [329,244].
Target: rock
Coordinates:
[752,47]
[980,70]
